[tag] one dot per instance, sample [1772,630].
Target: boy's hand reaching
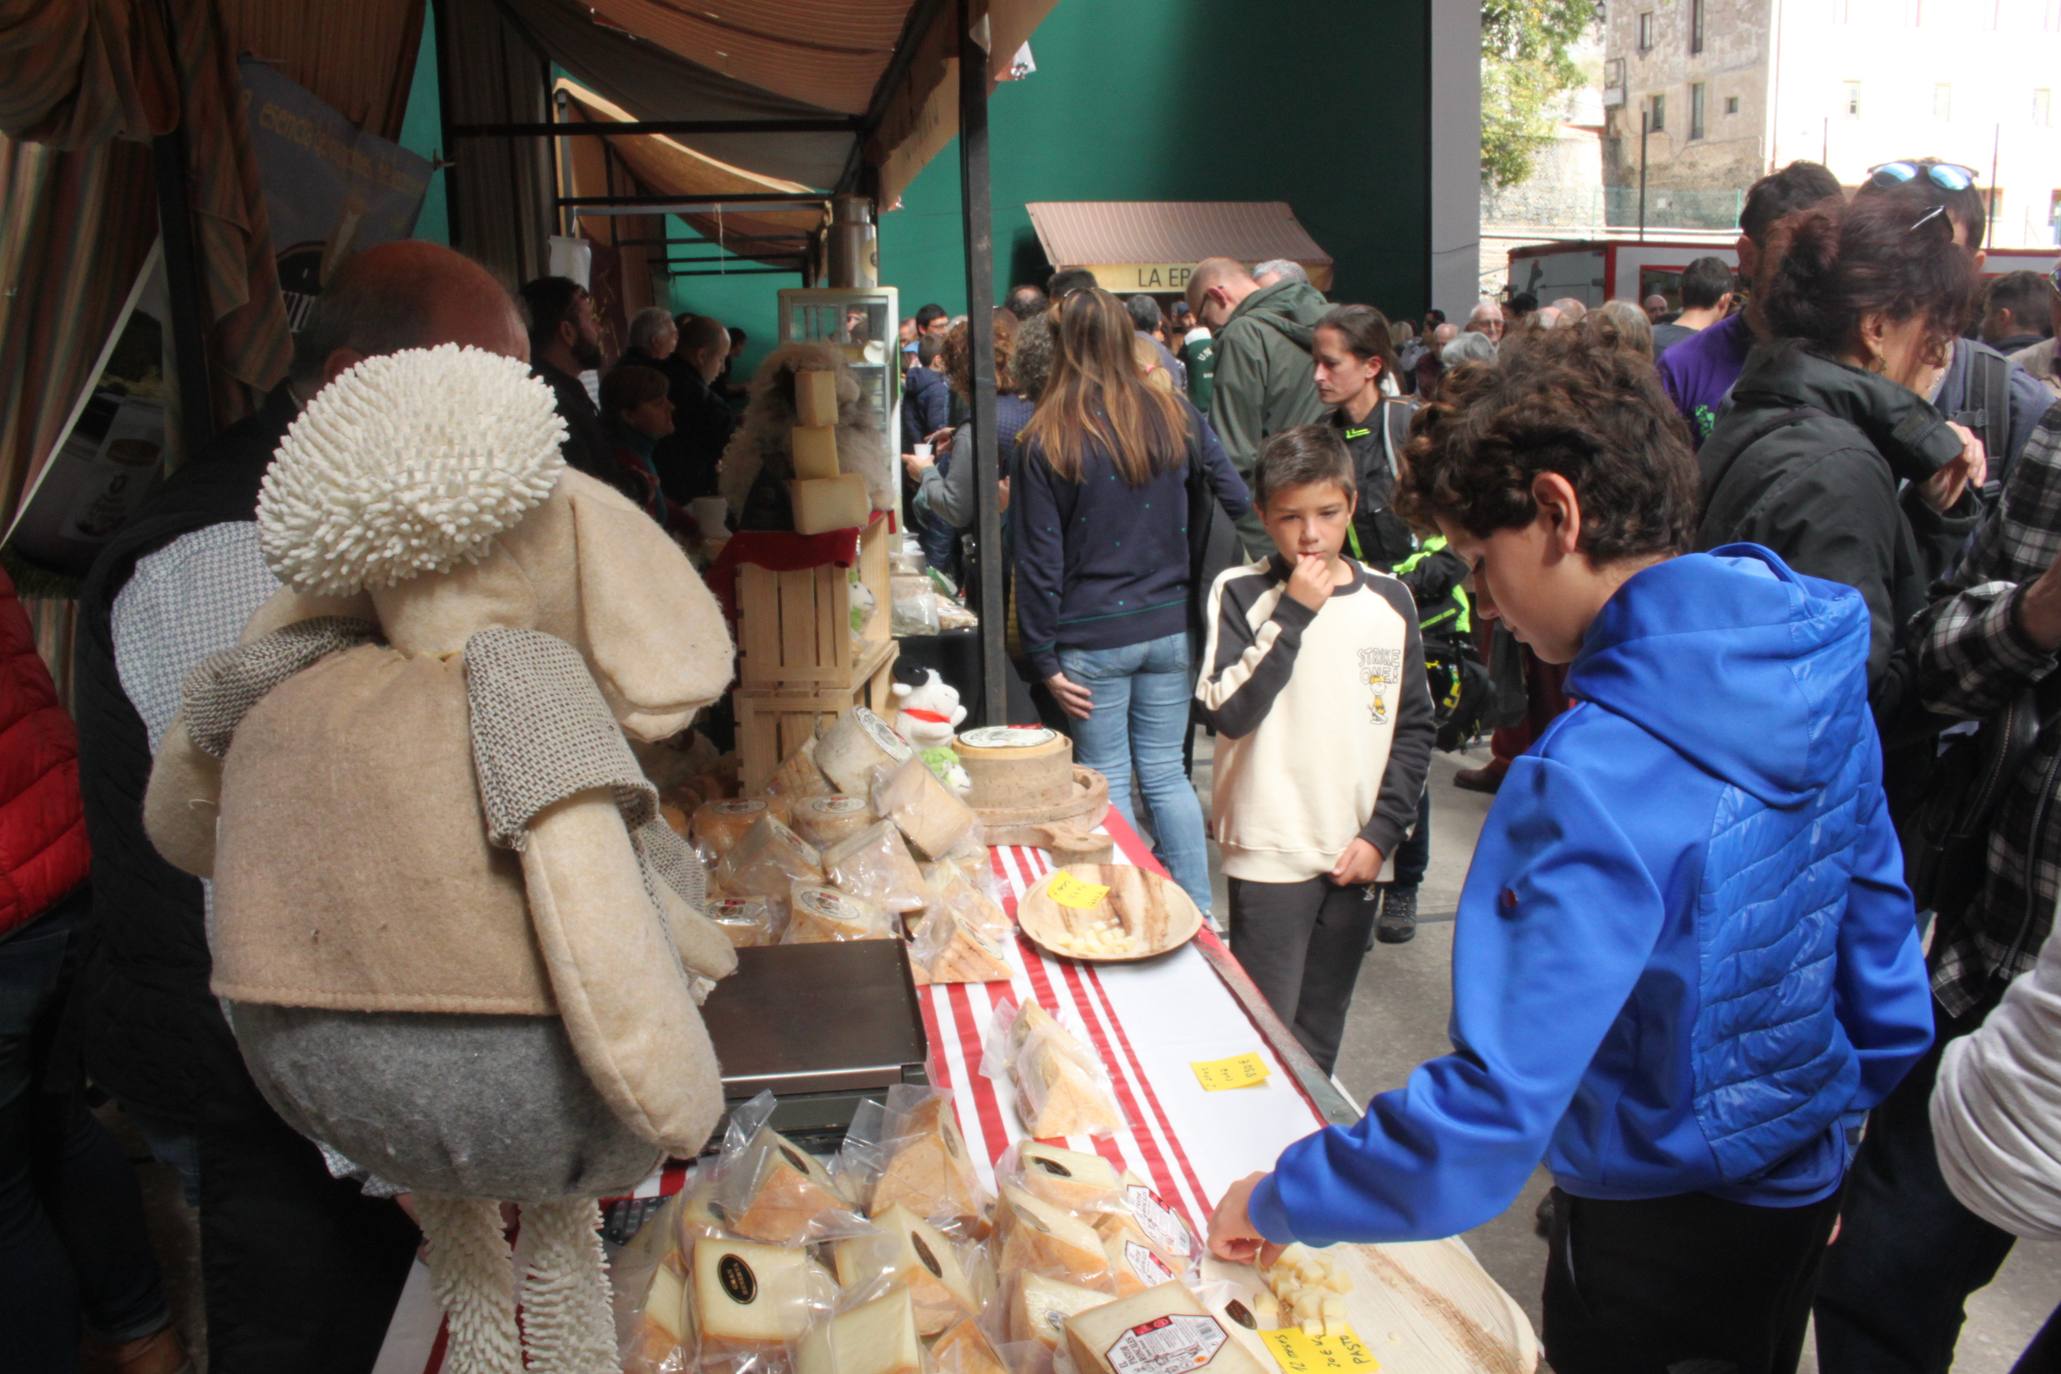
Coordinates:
[1309,582]
[1358,866]
[1232,1235]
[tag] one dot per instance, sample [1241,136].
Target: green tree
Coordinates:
[1526,67]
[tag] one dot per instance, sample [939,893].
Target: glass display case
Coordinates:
[861,322]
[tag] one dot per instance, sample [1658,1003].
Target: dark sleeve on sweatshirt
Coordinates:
[1232,493]
[1243,671]
[1040,561]
[1409,747]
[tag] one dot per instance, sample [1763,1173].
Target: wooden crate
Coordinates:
[794,628]
[773,722]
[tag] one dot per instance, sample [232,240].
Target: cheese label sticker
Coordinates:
[1150,1268]
[1169,1345]
[738,1281]
[1158,1222]
[1222,1075]
[737,808]
[827,903]
[1298,1352]
[1007,737]
[836,805]
[1077,893]
[883,734]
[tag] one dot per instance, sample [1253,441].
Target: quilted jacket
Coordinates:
[43,850]
[1685,959]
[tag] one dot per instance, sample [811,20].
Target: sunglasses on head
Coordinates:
[1947,176]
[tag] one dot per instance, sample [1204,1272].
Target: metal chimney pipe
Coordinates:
[854,243]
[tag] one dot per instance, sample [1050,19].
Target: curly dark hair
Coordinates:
[1564,401]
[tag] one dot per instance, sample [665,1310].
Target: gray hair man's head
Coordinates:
[648,326]
[401,295]
[1144,312]
[1468,348]
[1279,270]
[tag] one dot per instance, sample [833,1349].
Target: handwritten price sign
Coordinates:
[1239,1071]
[1298,1352]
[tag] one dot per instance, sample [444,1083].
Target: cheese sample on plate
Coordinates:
[719,825]
[750,1297]
[819,915]
[878,1337]
[928,1170]
[1067,1178]
[854,745]
[1163,1328]
[912,1253]
[1036,1308]
[830,503]
[826,819]
[965,1349]
[815,398]
[779,1190]
[815,452]
[1040,1238]
[926,810]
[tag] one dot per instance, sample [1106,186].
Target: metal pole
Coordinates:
[980,304]
[1645,119]
[182,273]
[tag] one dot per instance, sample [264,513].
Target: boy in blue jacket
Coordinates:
[1685,962]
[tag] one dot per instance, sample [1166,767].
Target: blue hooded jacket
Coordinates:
[1685,959]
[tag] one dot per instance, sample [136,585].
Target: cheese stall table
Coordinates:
[1438,1311]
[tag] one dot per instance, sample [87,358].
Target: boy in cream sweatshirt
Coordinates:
[1313,678]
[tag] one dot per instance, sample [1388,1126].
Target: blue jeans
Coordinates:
[73,1251]
[1139,720]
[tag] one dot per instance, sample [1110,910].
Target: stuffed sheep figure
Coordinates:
[928,714]
[760,458]
[455,942]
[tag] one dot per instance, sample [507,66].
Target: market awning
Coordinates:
[1152,245]
[664,166]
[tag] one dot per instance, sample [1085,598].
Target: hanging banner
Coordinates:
[330,187]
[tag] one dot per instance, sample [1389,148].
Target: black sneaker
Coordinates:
[1397,923]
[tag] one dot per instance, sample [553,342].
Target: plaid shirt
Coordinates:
[1973,658]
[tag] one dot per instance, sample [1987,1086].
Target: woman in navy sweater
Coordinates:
[1102,571]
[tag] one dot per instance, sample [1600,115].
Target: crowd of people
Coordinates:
[1722,579]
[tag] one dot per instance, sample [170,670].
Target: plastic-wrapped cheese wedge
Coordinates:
[776,1191]
[928,1170]
[747,921]
[1057,1097]
[825,820]
[1136,1265]
[878,1337]
[750,1297]
[798,776]
[1067,1178]
[1146,1217]
[854,746]
[662,1338]
[1040,1238]
[815,398]
[1036,1308]
[1165,1325]
[719,825]
[926,810]
[909,1251]
[875,864]
[965,1349]
[768,861]
[819,915]
[949,950]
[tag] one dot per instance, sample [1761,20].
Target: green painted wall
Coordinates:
[422,133]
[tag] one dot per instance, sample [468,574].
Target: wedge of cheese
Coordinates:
[1036,1308]
[815,398]
[1165,1325]
[830,503]
[1056,1096]
[929,813]
[958,951]
[929,1171]
[878,1337]
[815,452]
[798,776]
[1136,1265]
[719,825]
[826,819]
[662,1338]
[965,1349]
[820,915]
[909,1251]
[750,1297]
[1147,1218]
[782,1189]
[1067,1178]
[854,746]
[1039,1238]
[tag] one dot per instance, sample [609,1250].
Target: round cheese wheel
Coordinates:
[820,915]
[823,821]
[718,825]
[1017,766]
[854,745]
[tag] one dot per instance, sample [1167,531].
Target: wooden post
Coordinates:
[980,303]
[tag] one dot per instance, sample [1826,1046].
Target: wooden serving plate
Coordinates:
[1155,911]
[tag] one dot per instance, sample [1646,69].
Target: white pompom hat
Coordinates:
[409,463]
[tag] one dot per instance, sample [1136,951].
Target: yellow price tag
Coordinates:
[1077,893]
[1239,1071]
[1298,1352]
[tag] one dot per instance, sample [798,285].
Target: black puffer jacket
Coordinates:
[1818,461]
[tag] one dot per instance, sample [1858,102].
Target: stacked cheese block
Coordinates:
[895,1261]
[823,497]
[1061,1088]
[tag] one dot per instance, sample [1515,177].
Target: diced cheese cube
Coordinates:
[815,452]
[830,503]
[1167,1324]
[965,1349]
[815,397]
[1041,1238]
[755,1297]
[783,1189]
[1038,1307]
[878,1337]
[930,1172]
[1068,1178]
[916,1255]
